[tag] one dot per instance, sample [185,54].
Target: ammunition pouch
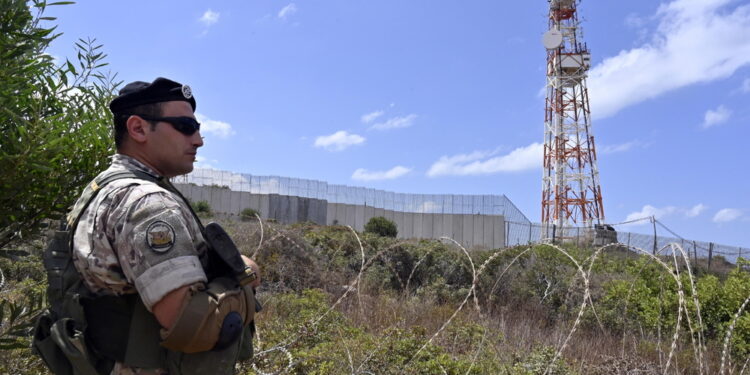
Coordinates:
[211,319]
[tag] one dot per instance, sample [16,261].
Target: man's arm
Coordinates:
[169,307]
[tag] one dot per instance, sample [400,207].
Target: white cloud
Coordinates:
[648,211]
[622,147]
[745,85]
[218,128]
[660,213]
[695,41]
[396,122]
[696,210]
[202,162]
[726,215]
[370,117]
[365,175]
[338,141]
[209,18]
[716,116]
[287,11]
[522,158]
[634,20]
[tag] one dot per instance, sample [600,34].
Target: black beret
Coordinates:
[161,90]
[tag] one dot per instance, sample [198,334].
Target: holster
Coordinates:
[64,350]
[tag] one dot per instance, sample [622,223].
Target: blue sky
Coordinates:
[446,96]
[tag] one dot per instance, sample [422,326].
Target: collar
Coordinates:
[131,163]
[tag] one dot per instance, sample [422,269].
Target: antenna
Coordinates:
[571,194]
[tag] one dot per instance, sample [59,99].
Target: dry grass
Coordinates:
[522,327]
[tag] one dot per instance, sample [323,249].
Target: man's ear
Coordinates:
[137,128]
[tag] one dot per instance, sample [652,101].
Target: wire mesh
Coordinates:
[522,233]
[417,203]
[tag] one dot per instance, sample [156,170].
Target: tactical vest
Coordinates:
[84,334]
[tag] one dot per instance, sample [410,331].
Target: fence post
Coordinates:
[507,233]
[554,232]
[739,253]
[529,232]
[653,220]
[710,254]
[695,253]
[628,240]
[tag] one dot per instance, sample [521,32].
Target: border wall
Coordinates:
[470,230]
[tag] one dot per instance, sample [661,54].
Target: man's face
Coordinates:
[172,153]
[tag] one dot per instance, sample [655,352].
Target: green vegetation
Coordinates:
[400,315]
[382,227]
[249,214]
[202,208]
[53,117]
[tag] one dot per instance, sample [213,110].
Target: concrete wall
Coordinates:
[484,231]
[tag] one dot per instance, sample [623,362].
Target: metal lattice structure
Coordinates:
[571,194]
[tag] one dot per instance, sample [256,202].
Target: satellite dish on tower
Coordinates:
[552,39]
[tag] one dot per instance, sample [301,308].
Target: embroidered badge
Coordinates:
[187,92]
[160,236]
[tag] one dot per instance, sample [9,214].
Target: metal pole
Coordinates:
[695,253]
[507,232]
[628,240]
[554,232]
[710,254]
[529,232]
[653,221]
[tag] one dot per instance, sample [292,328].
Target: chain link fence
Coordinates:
[402,202]
[521,233]
[518,228]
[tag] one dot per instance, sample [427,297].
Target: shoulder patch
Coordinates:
[160,236]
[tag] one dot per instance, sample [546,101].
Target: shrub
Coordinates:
[54,119]
[249,214]
[202,208]
[382,227]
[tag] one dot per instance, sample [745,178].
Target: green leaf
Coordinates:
[71,68]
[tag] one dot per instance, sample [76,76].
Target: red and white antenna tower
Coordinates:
[571,194]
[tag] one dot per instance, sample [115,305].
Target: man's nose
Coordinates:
[197,139]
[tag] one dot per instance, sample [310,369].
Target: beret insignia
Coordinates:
[160,236]
[187,92]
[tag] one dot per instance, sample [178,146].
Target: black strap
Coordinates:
[165,183]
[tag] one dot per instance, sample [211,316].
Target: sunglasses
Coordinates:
[185,125]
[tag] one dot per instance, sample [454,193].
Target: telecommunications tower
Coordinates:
[571,194]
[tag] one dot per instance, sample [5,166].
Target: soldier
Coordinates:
[142,254]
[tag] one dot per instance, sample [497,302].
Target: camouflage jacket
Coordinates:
[138,237]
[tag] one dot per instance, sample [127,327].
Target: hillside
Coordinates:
[339,302]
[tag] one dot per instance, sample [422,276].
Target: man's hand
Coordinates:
[254,266]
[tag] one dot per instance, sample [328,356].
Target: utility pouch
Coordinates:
[246,342]
[44,346]
[71,343]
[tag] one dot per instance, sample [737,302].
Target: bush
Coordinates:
[382,227]
[202,208]
[54,119]
[249,214]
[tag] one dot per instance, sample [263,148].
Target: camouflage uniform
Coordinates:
[138,237]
